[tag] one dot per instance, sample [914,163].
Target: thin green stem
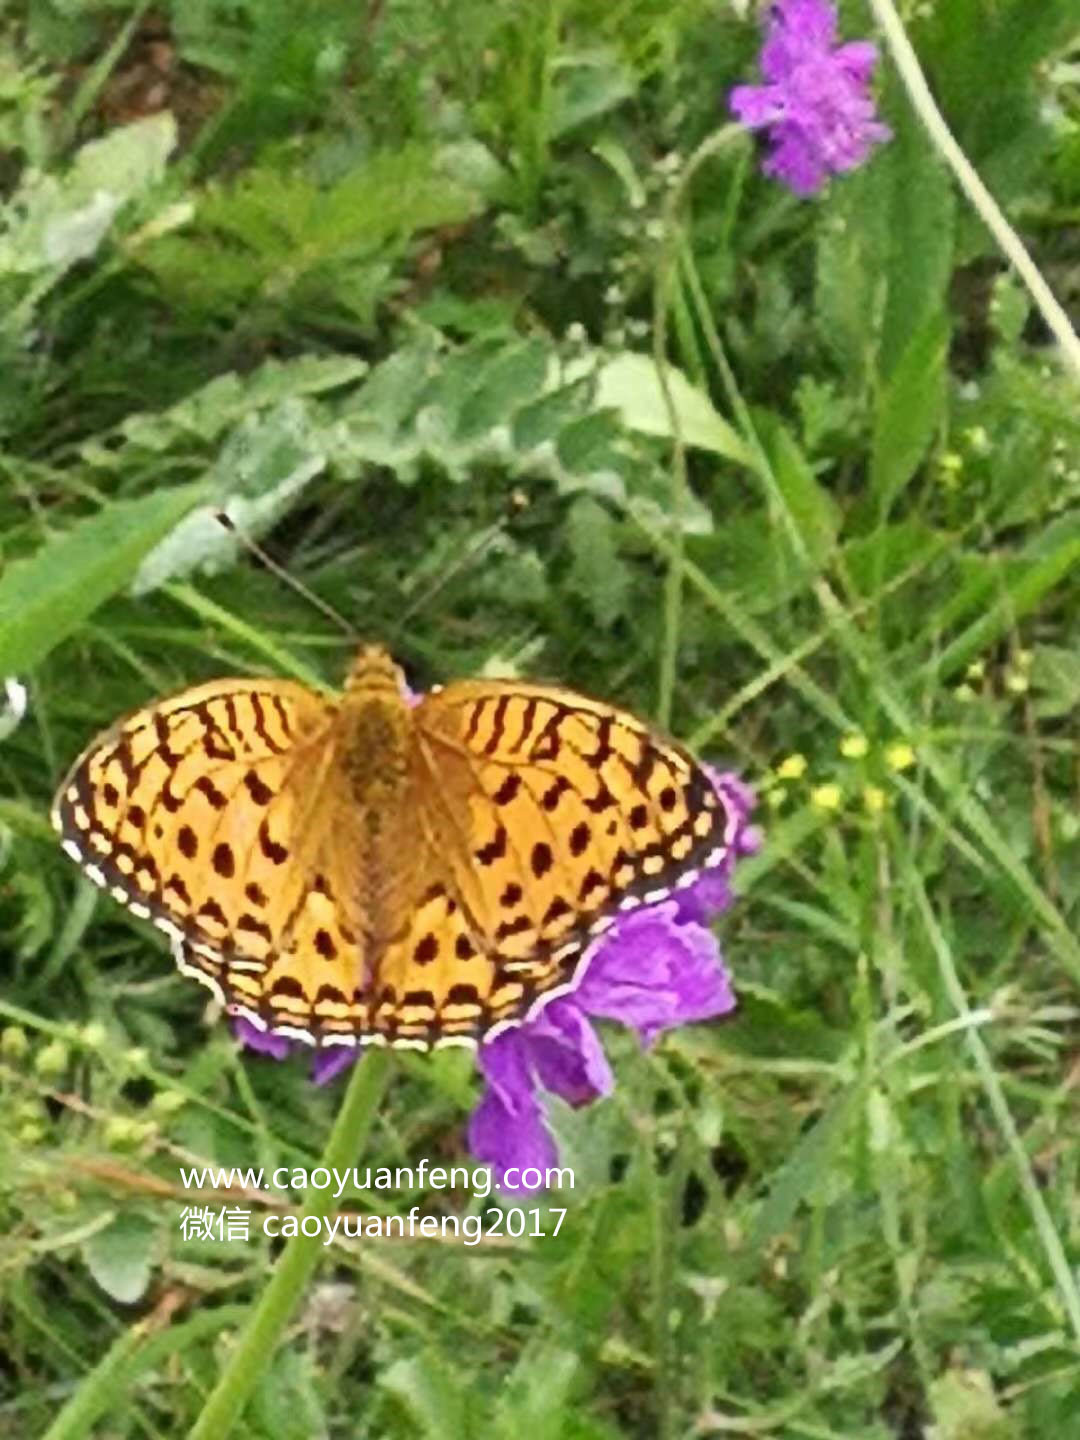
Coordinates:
[662,300]
[1054,1250]
[907,64]
[254,1351]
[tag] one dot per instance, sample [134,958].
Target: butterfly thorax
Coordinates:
[375,731]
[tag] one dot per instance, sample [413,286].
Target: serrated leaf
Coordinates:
[1055,678]
[54,223]
[908,412]
[206,413]
[273,234]
[536,1395]
[597,573]
[261,470]
[49,594]
[430,1393]
[630,385]
[539,422]
[286,1403]
[514,377]
[120,1257]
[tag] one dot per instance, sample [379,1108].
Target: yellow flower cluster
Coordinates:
[829,795]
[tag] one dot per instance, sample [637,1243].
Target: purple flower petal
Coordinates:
[566,1055]
[331,1060]
[655,972]
[261,1041]
[816,107]
[507,1129]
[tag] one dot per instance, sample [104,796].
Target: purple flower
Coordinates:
[326,1065]
[816,105]
[657,968]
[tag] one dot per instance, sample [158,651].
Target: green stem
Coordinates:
[663,284]
[254,1351]
[907,63]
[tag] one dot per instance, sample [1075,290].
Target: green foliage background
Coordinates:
[384,283]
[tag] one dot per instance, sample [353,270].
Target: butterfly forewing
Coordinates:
[190,812]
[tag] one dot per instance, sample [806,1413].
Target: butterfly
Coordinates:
[365,868]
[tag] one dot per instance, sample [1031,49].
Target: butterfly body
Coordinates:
[369,869]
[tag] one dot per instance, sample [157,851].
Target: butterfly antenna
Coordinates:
[282,574]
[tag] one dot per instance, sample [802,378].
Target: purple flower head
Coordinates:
[816,105]
[656,968]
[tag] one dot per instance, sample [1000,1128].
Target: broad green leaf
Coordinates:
[286,1403]
[919,258]
[884,252]
[46,596]
[630,384]
[850,258]
[1055,679]
[120,1257]
[908,412]
[588,85]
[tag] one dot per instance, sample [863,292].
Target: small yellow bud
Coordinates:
[792,768]
[965,694]
[775,797]
[826,797]
[875,799]
[94,1034]
[976,670]
[52,1061]
[1024,659]
[1017,684]
[977,438]
[13,1042]
[899,755]
[167,1102]
[122,1130]
[950,466]
[854,747]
